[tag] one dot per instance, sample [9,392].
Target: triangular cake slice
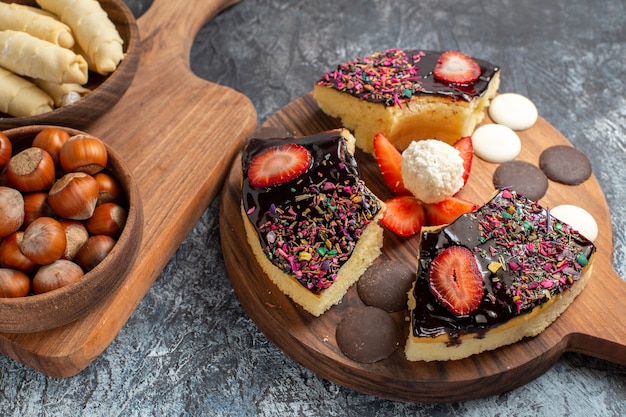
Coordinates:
[532,267]
[397,92]
[314,227]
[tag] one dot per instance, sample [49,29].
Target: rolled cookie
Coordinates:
[21,98]
[30,56]
[523,177]
[367,335]
[496,143]
[565,164]
[96,36]
[385,285]
[514,111]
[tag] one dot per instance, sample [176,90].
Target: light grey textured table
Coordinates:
[190,350]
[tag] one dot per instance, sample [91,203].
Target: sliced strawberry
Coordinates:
[457,68]
[455,280]
[466,150]
[404,215]
[389,159]
[447,211]
[278,165]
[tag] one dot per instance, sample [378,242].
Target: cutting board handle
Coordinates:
[601,334]
[178,134]
[160,28]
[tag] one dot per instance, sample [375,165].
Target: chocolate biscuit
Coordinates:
[523,177]
[385,285]
[565,164]
[367,335]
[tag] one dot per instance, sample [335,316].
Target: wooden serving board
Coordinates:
[178,134]
[594,324]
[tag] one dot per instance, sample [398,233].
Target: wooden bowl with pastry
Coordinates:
[71,229]
[64,62]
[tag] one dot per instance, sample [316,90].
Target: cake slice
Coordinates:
[310,220]
[408,95]
[492,277]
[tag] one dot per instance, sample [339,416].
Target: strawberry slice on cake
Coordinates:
[278,165]
[456,68]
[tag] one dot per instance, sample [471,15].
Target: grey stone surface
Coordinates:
[190,350]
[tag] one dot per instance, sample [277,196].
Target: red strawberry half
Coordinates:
[455,280]
[447,211]
[404,215]
[457,68]
[466,150]
[389,159]
[278,165]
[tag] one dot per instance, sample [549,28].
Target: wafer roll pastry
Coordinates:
[29,56]
[95,33]
[62,94]
[36,22]
[21,98]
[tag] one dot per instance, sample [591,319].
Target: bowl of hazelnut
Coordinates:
[71,226]
[70,67]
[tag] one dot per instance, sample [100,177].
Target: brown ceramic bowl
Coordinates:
[66,304]
[106,91]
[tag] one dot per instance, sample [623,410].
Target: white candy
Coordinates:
[432,170]
[496,143]
[513,110]
[577,217]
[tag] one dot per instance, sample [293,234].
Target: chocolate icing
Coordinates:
[509,230]
[308,227]
[412,74]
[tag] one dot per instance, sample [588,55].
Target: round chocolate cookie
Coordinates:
[367,334]
[385,285]
[565,164]
[523,177]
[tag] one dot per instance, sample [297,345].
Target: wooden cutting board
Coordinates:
[594,324]
[179,135]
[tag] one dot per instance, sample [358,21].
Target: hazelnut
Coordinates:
[43,241]
[109,189]
[56,275]
[94,251]
[51,139]
[31,170]
[83,153]
[35,206]
[11,210]
[12,257]
[74,196]
[107,219]
[76,235]
[13,283]
[6,150]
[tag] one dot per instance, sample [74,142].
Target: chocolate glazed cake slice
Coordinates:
[530,267]
[310,220]
[408,95]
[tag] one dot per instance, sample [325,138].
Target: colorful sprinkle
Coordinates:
[388,76]
[544,255]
